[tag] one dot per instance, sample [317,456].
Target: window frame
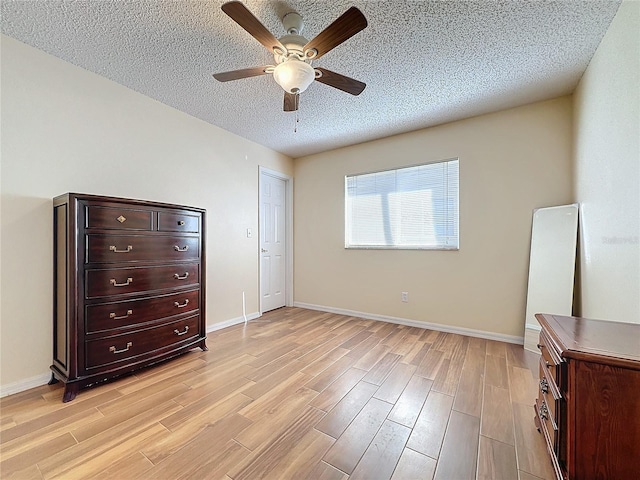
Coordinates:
[348,246]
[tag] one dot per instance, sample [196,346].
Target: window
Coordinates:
[407,208]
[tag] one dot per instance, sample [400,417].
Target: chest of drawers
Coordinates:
[588,405]
[129,286]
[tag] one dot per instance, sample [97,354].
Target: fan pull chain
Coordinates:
[297,106]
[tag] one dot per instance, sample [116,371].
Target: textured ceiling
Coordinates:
[424,62]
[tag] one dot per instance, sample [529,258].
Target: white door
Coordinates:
[272,241]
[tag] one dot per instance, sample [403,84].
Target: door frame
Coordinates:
[288,298]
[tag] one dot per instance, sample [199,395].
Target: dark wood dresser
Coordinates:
[588,405]
[129,287]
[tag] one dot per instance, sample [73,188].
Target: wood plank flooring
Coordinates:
[296,394]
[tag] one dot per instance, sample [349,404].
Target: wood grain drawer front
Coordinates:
[121,281]
[550,359]
[132,313]
[550,395]
[126,347]
[550,436]
[136,248]
[547,380]
[178,222]
[543,413]
[118,218]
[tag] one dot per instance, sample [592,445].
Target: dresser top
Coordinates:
[69,197]
[601,341]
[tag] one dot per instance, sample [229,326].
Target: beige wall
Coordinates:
[66,129]
[607,166]
[511,162]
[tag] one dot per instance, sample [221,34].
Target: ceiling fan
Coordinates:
[293,54]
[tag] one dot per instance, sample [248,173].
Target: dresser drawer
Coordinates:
[550,435]
[552,430]
[120,218]
[550,359]
[147,342]
[132,313]
[121,281]
[135,248]
[178,222]
[549,394]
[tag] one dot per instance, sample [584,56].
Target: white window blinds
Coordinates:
[407,208]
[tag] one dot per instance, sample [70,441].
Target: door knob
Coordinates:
[263,250]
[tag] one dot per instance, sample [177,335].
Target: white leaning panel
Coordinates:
[551,266]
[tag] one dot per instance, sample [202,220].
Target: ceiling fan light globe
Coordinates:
[294,75]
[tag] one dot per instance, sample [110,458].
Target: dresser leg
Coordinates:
[203,346]
[53,380]
[70,392]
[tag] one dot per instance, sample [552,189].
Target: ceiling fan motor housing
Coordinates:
[295,46]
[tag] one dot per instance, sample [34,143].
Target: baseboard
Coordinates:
[232,322]
[531,338]
[22,385]
[39,380]
[415,323]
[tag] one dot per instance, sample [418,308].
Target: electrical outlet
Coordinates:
[405,297]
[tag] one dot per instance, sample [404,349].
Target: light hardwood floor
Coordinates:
[295,394]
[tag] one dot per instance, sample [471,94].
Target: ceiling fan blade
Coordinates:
[341,82]
[243,17]
[343,28]
[238,74]
[291,102]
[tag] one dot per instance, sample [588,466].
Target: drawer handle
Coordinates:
[113,248]
[183,249]
[114,351]
[540,346]
[116,284]
[544,386]
[544,411]
[181,222]
[186,302]
[112,315]
[186,329]
[183,277]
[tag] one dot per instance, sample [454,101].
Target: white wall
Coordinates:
[66,129]
[607,178]
[511,162]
